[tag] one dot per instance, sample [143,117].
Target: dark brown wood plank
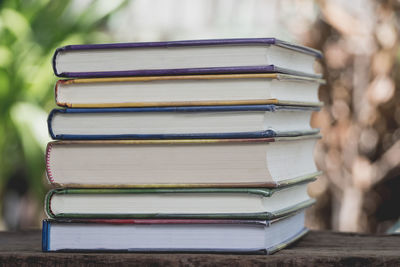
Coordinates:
[316,249]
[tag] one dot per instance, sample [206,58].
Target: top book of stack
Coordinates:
[221,56]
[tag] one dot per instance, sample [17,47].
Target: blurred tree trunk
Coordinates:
[360,151]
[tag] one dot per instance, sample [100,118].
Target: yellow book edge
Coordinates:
[278,76]
[182,141]
[187,103]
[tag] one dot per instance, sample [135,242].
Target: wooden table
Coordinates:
[315,249]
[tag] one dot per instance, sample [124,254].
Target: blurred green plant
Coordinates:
[30,31]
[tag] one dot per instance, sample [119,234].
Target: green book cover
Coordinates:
[261,192]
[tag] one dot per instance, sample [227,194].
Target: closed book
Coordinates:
[193,236]
[219,56]
[244,121]
[188,90]
[256,162]
[212,203]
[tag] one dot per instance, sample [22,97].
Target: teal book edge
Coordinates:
[264,192]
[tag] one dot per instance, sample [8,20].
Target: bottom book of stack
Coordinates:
[175,235]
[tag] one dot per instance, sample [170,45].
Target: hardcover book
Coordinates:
[188,90]
[206,203]
[262,162]
[246,121]
[220,56]
[201,236]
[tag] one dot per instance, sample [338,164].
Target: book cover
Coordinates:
[236,108]
[263,192]
[48,223]
[188,71]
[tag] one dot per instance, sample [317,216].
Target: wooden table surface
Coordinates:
[315,249]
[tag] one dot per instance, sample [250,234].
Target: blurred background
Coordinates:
[360,150]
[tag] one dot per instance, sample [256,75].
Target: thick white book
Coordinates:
[256,162]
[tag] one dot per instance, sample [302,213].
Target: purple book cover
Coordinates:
[188,71]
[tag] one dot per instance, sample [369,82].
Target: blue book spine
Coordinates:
[242,108]
[45,235]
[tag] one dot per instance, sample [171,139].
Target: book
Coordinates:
[246,121]
[188,90]
[211,203]
[254,55]
[181,163]
[207,236]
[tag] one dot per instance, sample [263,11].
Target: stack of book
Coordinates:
[201,146]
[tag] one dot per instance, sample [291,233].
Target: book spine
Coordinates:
[49,173]
[49,122]
[45,235]
[56,89]
[241,135]
[47,203]
[54,60]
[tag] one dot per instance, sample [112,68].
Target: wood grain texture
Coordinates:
[315,249]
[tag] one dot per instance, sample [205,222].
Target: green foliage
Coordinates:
[30,31]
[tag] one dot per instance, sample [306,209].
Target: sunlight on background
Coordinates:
[360,152]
